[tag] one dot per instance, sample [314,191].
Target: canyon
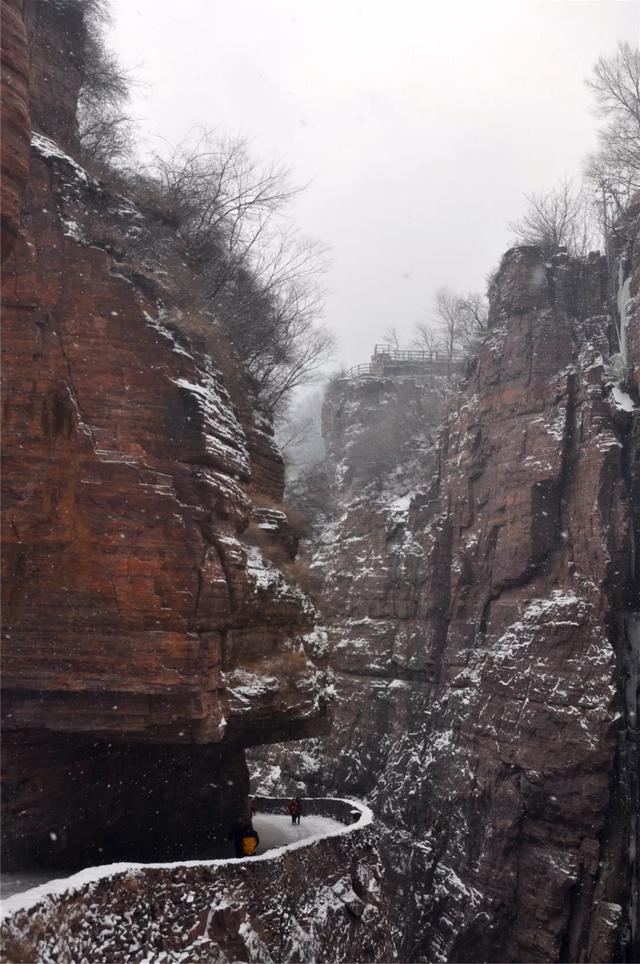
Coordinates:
[464,657]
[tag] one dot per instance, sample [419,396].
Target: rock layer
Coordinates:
[481,657]
[144,643]
[16,130]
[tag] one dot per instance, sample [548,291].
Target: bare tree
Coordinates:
[456,325]
[105,130]
[391,338]
[561,217]
[263,280]
[614,170]
[474,320]
[447,316]
[427,338]
[271,307]
[224,200]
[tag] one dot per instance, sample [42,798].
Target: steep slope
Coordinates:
[144,644]
[497,733]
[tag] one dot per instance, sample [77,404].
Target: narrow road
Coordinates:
[274,830]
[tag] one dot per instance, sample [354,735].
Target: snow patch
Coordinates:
[621,400]
[47,148]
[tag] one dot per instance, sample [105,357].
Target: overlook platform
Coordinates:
[395,361]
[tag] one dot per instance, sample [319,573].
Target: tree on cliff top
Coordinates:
[614,170]
[562,217]
[455,326]
[261,278]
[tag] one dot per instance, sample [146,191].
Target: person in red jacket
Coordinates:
[295,809]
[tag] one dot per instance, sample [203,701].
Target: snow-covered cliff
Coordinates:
[476,613]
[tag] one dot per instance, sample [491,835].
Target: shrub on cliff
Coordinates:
[563,217]
[455,326]
[262,280]
[104,128]
[580,217]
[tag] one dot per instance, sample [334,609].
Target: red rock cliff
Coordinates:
[485,638]
[144,643]
[14,145]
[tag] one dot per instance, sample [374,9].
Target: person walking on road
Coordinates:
[295,809]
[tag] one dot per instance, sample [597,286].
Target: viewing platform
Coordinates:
[395,361]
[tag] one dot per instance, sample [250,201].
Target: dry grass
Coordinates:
[275,553]
[296,571]
[298,521]
[19,951]
[300,574]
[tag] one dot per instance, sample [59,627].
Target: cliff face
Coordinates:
[626,269]
[484,639]
[145,645]
[14,146]
[379,437]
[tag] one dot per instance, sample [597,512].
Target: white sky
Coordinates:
[419,125]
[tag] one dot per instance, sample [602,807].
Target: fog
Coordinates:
[417,126]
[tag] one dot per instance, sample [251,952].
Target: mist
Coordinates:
[417,129]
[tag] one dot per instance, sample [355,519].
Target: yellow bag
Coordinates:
[249,845]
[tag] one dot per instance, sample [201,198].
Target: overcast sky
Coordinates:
[419,125]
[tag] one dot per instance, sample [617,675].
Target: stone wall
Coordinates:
[318,901]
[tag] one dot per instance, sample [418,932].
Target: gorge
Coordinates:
[464,655]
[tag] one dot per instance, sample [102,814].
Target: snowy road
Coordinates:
[274,830]
[24,880]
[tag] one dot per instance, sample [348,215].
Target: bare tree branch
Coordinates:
[560,218]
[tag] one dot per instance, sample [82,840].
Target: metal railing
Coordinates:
[386,361]
[417,355]
[358,370]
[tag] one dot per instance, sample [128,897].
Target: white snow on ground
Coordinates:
[276,830]
[23,880]
[329,828]
[45,147]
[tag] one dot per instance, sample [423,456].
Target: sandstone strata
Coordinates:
[16,132]
[145,644]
